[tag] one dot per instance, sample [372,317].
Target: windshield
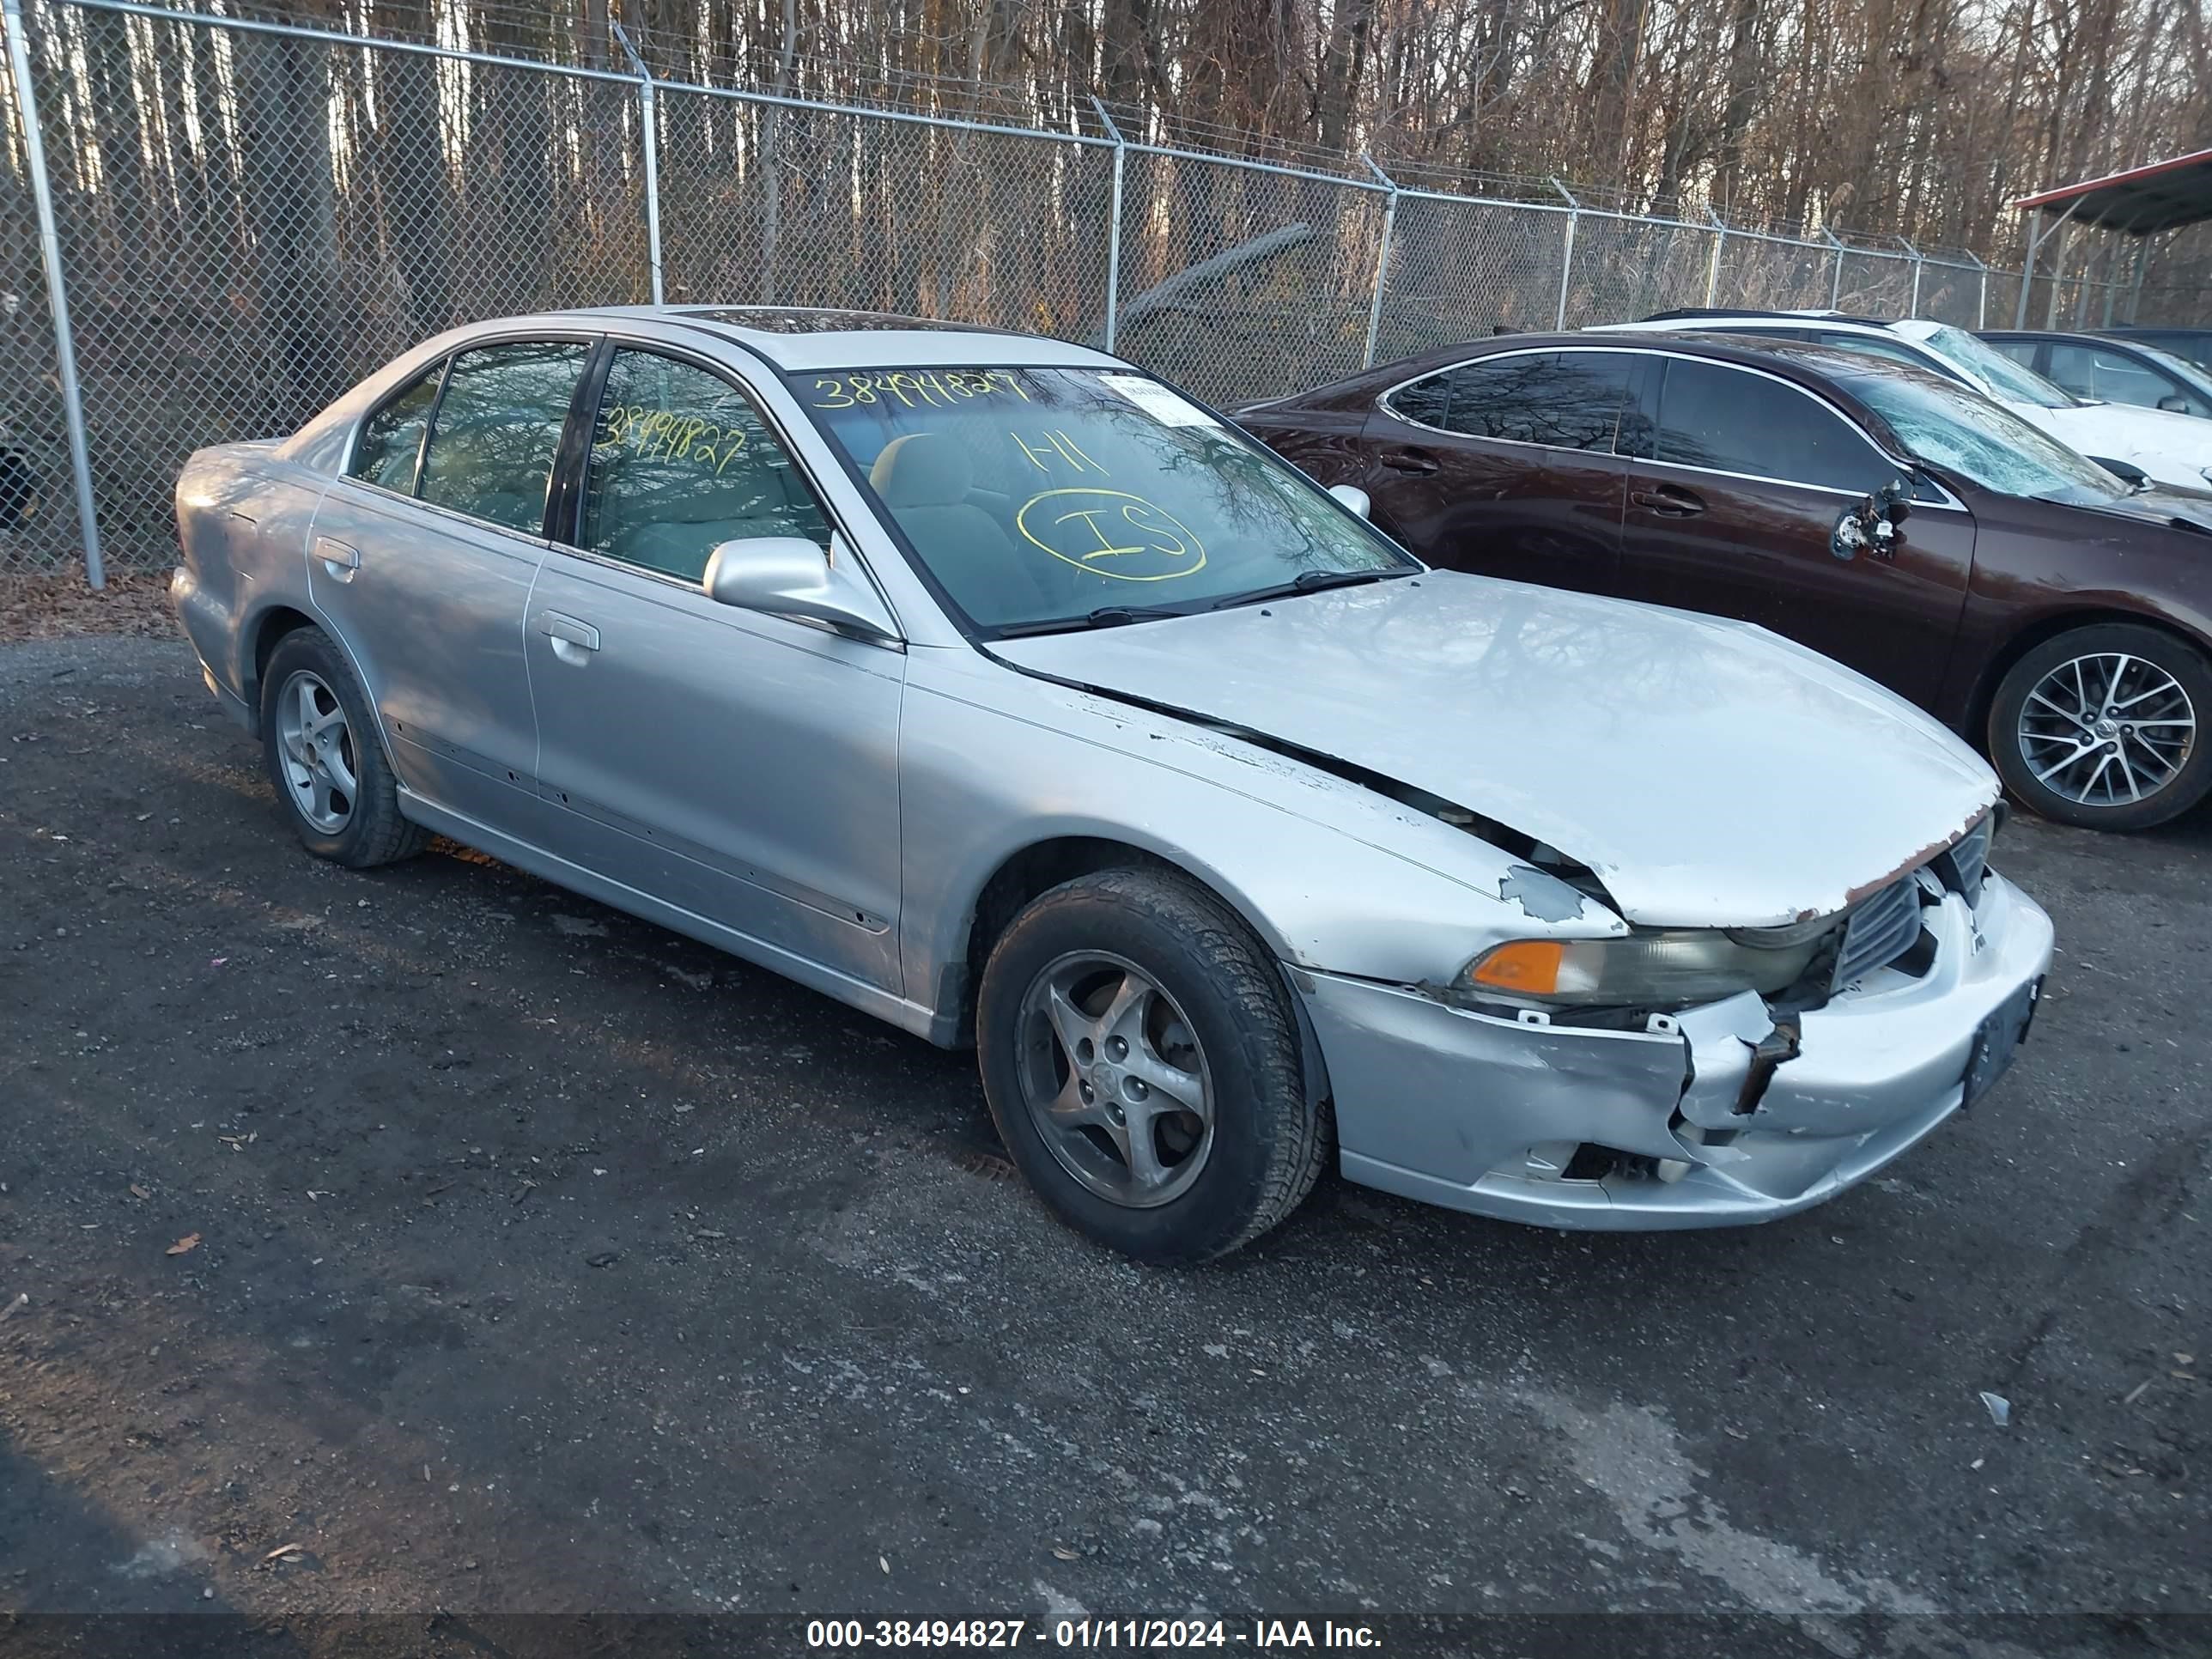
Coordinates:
[1038,497]
[1954,428]
[2011,379]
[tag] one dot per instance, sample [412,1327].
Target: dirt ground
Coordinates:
[436,1244]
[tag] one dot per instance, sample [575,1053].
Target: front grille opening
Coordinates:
[1592,1161]
[1881,928]
[1962,865]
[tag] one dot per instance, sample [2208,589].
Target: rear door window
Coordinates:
[497,428]
[2114,376]
[1726,419]
[1558,399]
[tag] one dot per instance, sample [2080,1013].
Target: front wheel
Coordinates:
[2100,728]
[1143,1065]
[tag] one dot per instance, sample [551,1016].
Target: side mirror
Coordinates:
[1895,500]
[2126,471]
[790,576]
[2174,403]
[1353,498]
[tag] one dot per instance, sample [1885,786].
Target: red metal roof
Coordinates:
[2157,196]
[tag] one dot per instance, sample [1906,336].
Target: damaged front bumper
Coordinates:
[1693,1125]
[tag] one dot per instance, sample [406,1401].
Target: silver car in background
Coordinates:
[989,685]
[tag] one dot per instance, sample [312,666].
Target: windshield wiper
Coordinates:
[1106,616]
[1306,581]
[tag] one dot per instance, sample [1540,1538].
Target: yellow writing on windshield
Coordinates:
[1055,449]
[668,434]
[929,388]
[1111,532]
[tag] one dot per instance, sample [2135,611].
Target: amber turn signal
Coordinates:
[1529,966]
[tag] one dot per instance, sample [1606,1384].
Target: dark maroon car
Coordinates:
[1899,523]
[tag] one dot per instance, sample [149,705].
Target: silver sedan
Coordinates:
[988,684]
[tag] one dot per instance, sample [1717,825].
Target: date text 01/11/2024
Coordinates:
[1088,1633]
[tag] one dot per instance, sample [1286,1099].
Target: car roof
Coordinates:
[802,338]
[2036,334]
[1811,313]
[1811,360]
[1698,319]
[1834,370]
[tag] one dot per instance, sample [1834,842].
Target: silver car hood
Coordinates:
[1710,773]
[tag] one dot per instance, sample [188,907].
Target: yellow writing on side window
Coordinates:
[927,388]
[668,434]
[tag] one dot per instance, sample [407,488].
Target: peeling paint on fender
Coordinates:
[1543,896]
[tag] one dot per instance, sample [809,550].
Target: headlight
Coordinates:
[1668,969]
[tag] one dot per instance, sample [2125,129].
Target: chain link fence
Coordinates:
[1459,270]
[776,202]
[253,217]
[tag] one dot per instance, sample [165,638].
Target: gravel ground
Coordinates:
[501,1254]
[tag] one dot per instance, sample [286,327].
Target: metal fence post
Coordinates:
[1566,254]
[1918,265]
[1713,268]
[648,118]
[2028,267]
[1381,259]
[1113,230]
[1981,303]
[1836,283]
[50,254]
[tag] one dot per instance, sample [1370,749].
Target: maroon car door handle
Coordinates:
[1409,460]
[1673,503]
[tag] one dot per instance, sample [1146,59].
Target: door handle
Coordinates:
[341,559]
[573,641]
[1419,462]
[1670,502]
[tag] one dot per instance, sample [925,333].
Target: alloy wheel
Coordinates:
[2106,730]
[319,763]
[1114,1080]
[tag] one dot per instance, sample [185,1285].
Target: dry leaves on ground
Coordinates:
[56,606]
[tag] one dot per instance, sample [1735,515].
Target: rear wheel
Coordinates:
[319,739]
[1142,1062]
[2102,727]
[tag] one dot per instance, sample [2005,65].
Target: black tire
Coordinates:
[2018,759]
[1270,1138]
[373,831]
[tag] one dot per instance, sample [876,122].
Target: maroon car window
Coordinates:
[1560,399]
[1426,401]
[1731,420]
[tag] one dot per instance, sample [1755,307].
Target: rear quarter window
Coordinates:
[391,439]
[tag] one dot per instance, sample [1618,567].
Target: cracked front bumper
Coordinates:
[1468,1110]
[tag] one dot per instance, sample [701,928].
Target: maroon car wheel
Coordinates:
[2103,726]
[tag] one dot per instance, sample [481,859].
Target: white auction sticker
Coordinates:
[1168,408]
